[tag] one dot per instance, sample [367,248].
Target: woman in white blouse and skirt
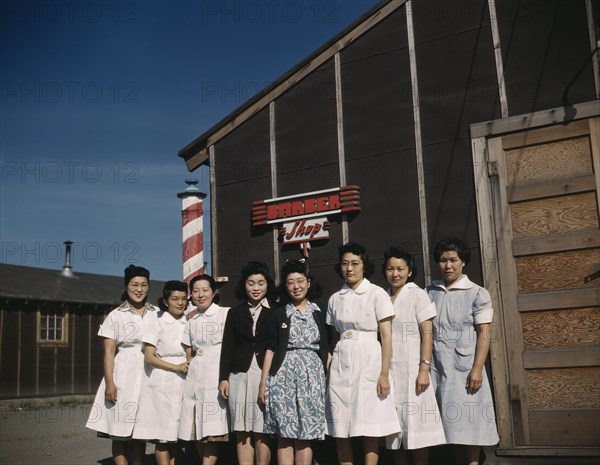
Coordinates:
[204,411]
[359,399]
[411,362]
[166,367]
[115,407]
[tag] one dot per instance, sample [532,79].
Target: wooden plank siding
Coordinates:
[545,212]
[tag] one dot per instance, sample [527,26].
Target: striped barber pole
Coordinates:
[191,216]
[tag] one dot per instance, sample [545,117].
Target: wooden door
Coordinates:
[544,211]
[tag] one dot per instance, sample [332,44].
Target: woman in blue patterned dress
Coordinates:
[292,386]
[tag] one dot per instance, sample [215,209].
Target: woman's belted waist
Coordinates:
[173,358]
[131,348]
[203,350]
[355,335]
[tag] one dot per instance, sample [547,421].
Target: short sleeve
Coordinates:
[329,317]
[109,327]
[482,307]
[186,338]
[384,308]
[151,331]
[424,307]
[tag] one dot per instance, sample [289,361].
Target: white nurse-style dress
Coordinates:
[162,390]
[419,415]
[125,326]
[204,411]
[468,418]
[352,405]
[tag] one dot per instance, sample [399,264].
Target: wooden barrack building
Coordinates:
[480,122]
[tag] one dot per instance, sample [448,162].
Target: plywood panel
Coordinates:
[561,329]
[548,272]
[564,388]
[564,427]
[574,298]
[561,358]
[541,190]
[546,244]
[557,160]
[555,215]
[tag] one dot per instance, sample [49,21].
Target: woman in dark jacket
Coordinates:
[242,356]
[292,386]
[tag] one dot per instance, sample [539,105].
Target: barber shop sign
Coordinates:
[305,218]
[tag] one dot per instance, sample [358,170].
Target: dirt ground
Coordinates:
[52,432]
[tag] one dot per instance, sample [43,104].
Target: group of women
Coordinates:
[407,369]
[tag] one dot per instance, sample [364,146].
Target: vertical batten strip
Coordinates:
[273,155]
[484,186]
[89,351]
[19,334]
[418,142]
[74,341]
[340,137]
[214,250]
[594,42]
[498,57]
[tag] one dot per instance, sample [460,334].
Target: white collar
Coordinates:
[408,285]
[461,284]
[169,319]
[126,306]
[262,303]
[362,288]
[210,311]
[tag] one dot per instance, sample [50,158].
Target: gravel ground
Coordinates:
[52,431]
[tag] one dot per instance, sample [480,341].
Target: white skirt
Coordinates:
[246,412]
[352,406]
[119,419]
[160,403]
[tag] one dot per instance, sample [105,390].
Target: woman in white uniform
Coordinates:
[166,366]
[461,342]
[359,399]
[411,361]
[204,411]
[115,407]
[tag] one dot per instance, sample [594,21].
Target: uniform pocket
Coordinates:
[463,358]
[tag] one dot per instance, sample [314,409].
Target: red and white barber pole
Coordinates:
[191,216]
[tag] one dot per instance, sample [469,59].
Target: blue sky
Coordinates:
[97,97]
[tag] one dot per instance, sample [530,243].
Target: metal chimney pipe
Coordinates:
[67,268]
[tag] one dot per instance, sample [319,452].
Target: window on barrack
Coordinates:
[52,324]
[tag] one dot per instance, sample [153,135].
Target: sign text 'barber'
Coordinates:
[304,217]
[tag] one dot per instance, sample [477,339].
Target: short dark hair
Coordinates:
[399,252]
[131,272]
[211,282]
[298,266]
[255,268]
[168,288]
[204,277]
[452,244]
[355,249]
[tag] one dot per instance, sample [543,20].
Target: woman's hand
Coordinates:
[261,393]
[422,381]
[474,380]
[182,367]
[383,385]
[224,389]
[110,392]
